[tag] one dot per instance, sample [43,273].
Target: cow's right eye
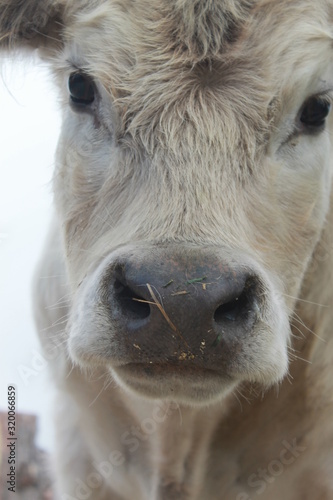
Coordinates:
[81,88]
[315,111]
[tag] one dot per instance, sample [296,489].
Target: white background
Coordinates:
[29,128]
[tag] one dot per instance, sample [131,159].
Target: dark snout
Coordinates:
[181,306]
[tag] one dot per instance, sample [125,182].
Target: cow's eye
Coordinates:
[315,111]
[81,88]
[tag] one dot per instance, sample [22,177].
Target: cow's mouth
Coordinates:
[152,369]
[167,380]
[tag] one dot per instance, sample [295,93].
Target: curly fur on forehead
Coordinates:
[204,27]
[177,77]
[200,28]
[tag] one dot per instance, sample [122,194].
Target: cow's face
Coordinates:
[192,182]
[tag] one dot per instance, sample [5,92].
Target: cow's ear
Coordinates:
[31,23]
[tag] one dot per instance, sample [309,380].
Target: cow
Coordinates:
[189,298]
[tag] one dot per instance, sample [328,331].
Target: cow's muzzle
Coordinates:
[182,307]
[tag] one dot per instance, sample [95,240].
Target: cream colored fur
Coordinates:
[193,141]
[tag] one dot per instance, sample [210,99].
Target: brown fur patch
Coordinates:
[36,22]
[202,28]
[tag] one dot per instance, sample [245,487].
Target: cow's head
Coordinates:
[192,180]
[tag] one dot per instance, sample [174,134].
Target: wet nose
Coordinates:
[170,307]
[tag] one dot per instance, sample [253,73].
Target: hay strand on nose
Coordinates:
[161,308]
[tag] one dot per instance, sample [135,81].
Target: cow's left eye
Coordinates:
[81,88]
[315,111]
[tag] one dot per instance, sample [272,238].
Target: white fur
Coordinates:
[192,142]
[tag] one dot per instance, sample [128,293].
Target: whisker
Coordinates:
[70,371]
[57,323]
[294,356]
[306,301]
[106,384]
[238,400]
[299,320]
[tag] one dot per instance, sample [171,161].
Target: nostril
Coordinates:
[238,309]
[132,305]
[232,310]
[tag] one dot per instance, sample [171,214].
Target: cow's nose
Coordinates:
[174,308]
